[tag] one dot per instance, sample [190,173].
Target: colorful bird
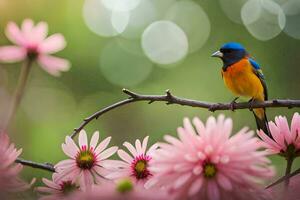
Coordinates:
[243,76]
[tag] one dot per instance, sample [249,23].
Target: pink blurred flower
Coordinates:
[9,171]
[208,163]
[286,140]
[135,165]
[292,192]
[57,189]
[31,43]
[87,163]
[122,190]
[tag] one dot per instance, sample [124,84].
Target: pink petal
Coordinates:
[188,126]
[152,149]
[68,151]
[27,27]
[295,126]
[224,182]
[125,156]
[213,191]
[65,164]
[276,134]
[53,65]
[138,147]
[94,140]
[72,146]
[196,186]
[53,44]
[107,153]
[40,32]
[12,54]
[118,174]
[14,34]
[114,164]
[199,126]
[182,180]
[86,180]
[50,184]
[102,145]
[144,145]
[131,148]
[82,140]
[101,170]
[47,190]
[284,128]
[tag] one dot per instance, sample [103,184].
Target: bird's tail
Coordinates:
[261,120]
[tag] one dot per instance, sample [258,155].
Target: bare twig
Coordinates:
[169,98]
[284,178]
[44,166]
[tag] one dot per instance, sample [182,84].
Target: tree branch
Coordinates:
[44,166]
[284,178]
[169,98]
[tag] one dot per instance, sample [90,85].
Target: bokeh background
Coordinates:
[114,44]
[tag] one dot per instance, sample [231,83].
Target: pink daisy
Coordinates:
[286,141]
[31,43]
[9,171]
[207,163]
[135,165]
[122,190]
[87,163]
[57,188]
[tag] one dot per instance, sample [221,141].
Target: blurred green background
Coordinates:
[52,106]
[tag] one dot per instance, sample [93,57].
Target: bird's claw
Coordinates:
[232,103]
[251,101]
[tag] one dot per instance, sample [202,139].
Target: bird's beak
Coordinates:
[218,54]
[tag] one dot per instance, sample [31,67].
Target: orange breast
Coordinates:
[242,81]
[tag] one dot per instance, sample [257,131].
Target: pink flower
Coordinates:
[135,165]
[57,188]
[286,141]
[87,163]
[208,163]
[122,190]
[31,43]
[9,171]
[291,192]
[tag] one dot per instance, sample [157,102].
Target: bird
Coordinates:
[243,76]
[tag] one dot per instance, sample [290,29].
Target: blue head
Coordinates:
[230,53]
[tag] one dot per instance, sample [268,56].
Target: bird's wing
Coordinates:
[258,72]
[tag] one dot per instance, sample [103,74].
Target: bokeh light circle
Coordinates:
[193,21]
[164,42]
[121,5]
[264,19]
[123,68]
[143,15]
[103,21]
[291,10]
[232,9]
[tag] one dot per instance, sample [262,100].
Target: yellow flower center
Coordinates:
[85,159]
[209,170]
[140,166]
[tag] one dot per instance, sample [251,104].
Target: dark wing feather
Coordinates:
[258,72]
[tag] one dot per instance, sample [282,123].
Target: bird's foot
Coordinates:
[232,103]
[251,102]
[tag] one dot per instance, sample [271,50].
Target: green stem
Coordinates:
[18,92]
[288,169]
